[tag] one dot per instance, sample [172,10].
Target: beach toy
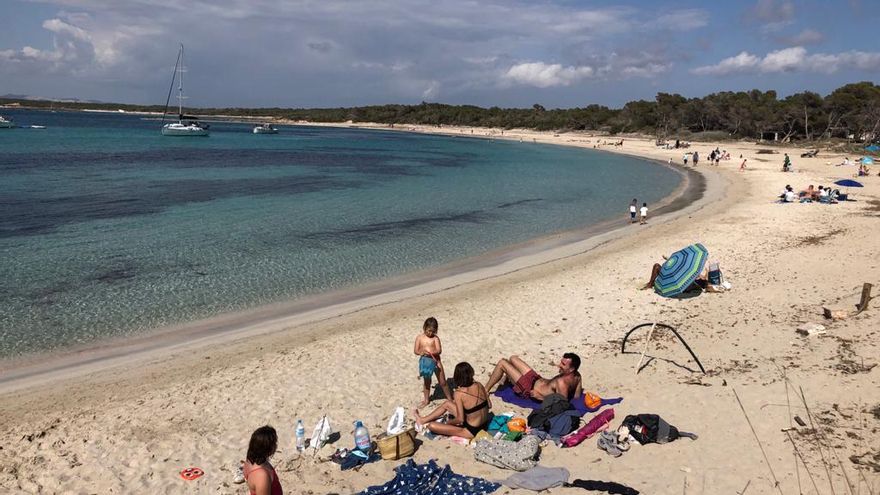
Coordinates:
[191,473]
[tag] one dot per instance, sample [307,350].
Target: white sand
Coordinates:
[129,424]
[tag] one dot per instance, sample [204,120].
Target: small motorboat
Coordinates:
[37,127]
[6,123]
[265,129]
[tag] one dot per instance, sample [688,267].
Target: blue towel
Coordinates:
[505,393]
[431,479]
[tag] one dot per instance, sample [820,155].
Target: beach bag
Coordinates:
[553,405]
[393,447]
[598,422]
[650,428]
[518,456]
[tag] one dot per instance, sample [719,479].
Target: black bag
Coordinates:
[650,428]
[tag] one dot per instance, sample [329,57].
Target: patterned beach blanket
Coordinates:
[431,479]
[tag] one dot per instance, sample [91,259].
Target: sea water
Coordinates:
[108,229]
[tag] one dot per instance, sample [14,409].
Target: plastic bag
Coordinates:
[397,423]
[321,433]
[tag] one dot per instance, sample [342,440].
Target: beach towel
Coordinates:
[431,479]
[538,478]
[603,486]
[519,456]
[505,393]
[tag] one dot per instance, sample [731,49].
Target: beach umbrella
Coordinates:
[873,148]
[680,270]
[848,183]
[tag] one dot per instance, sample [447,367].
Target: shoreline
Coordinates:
[21,373]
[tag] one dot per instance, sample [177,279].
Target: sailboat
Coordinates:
[184,126]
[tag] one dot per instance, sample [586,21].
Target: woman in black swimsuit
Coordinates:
[468,410]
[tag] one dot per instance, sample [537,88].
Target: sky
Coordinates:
[508,53]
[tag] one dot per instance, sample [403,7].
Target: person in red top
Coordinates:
[259,474]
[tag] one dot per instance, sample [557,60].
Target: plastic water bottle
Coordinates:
[361,437]
[300,435]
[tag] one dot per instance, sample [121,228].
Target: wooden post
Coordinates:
[645,350]
[866,297]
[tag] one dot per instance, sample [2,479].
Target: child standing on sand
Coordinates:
[643,213]
[428,348]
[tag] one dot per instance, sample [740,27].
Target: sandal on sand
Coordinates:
[608,442]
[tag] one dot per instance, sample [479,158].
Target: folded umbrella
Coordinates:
[680,270]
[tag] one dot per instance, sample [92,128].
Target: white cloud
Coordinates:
[805,37]
[794,59]
[543,75]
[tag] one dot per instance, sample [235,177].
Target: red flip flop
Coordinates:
[191,473]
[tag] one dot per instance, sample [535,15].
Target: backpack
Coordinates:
[553,405]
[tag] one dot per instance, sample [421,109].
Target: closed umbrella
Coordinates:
[680,270]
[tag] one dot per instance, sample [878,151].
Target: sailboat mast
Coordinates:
[180,88]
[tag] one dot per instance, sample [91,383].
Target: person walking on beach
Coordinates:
[632,210]
[643,214]
[428,348]
[696,158]
[258,472]
[742,166]
[685,159]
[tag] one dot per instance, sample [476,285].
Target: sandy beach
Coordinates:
[128,419]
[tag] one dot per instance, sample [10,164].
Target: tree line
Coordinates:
[851,112]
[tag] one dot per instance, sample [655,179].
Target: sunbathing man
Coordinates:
[528,384]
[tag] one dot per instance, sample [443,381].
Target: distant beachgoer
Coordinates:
[468,409]
[742,166]
[643,214]
[258,472]
[428,348]
[696,158]
[528,384]
[685,159]
[632,210]
[786,164]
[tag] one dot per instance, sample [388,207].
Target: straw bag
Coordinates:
[393,447]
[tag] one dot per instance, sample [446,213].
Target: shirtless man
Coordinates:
[528,384]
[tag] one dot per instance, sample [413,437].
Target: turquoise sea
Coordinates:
[108,229]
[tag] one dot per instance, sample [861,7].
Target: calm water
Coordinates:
[108,228]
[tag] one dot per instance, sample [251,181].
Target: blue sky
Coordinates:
[320,53]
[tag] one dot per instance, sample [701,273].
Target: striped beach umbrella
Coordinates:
[680,270]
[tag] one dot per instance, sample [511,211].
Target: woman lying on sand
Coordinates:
[468,411]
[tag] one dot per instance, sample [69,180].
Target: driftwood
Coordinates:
[839,314]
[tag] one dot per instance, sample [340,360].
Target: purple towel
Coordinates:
[505,393]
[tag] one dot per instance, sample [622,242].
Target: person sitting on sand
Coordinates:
[702,280]
[528,384]
[258,472]
[468,410]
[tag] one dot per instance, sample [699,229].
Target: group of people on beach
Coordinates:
[465,412]
[821,194]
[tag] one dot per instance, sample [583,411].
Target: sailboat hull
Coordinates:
[183,130]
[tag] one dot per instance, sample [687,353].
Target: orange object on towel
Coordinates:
[592,401]
[517,424]
[191,473]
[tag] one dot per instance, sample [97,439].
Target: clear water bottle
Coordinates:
[361,437]
[300,435]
